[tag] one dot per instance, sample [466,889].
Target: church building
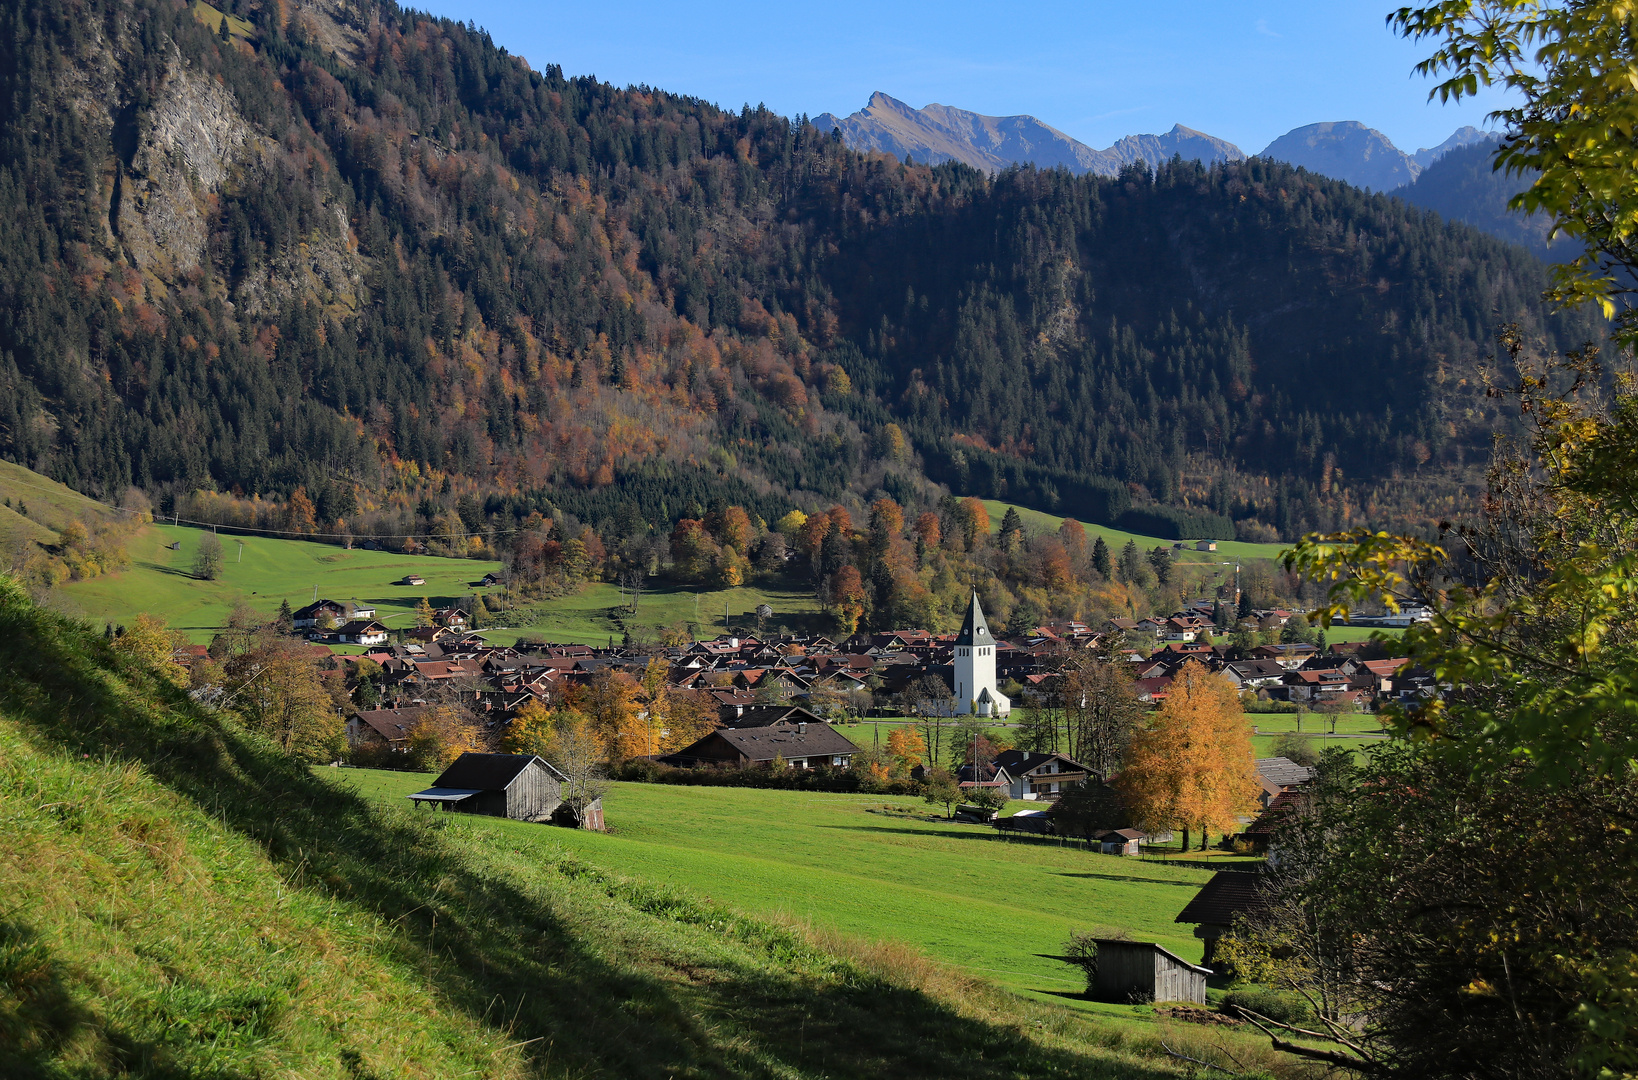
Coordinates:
[975,690]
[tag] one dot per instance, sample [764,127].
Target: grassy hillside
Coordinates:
[875,866]
[182,901]
[33,508]
[161,582]
[1039,521]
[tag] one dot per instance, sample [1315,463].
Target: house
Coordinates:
[1205,545]
[518,786]
[1227,894]
[384,727]
[1142,970]
[452,617]
[1260,833]
[412,579]
[1036,775]
[1254,674]
[489,579]
[320,613]
[1278,774]
[363,632]
[801,744]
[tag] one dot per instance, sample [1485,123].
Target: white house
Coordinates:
[975,689]
[363,632]
[1038,775]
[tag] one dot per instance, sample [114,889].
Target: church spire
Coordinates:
[975,629]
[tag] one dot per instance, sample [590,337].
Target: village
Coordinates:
[771,706]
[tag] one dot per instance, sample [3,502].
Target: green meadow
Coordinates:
[262,571]
[1040,522]
[872,867]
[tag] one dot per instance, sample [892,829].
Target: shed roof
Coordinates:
[767,743]
[489,772]
[1283,772]
[1151,946]
[1226,895]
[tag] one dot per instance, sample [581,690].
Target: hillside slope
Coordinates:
[1463,186]
[181,901]
[335,246]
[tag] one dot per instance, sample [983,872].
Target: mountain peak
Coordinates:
[938,133]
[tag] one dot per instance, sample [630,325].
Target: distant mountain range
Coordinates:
[1453,178]
[940,133]
[1344,150]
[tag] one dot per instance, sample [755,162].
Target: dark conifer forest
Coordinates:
[343,248]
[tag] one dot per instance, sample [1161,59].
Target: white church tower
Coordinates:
[975,690]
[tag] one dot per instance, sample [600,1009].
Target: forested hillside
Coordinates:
[336,250]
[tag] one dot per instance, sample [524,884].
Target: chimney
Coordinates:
[802,727]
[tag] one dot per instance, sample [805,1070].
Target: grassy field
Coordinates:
[1038,521]
[874,867]
[601,611]
[160,581]
[183,900]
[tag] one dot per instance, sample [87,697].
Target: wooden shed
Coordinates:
[1128,969]
[519,786]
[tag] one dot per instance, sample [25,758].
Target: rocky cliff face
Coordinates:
[176,145]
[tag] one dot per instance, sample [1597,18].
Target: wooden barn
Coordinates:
[1129,969]
[519,786]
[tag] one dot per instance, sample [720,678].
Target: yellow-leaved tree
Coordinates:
[1191,765]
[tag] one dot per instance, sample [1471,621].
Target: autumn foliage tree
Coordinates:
[1192,764]
[905,747]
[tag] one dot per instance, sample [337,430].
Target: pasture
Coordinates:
[267,570]
[872,867]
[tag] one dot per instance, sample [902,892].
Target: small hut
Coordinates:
[1128,969]
[519,786]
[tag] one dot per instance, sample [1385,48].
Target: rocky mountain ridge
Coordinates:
[940,133]
[1343,150]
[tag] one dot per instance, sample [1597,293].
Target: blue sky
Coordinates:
[1246,72]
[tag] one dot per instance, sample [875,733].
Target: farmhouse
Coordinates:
[452,617]
[1132,970]
[389,727]
[518,786]
[801,744]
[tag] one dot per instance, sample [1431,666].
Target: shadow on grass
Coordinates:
[1193,886]
[591,986]
[171,570]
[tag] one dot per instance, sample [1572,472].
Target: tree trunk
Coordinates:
[1185,839]
[1202,838]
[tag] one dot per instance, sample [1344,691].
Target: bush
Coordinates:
[1255,706]
[1280,1008]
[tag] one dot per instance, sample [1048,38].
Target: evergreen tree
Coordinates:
[1100,559]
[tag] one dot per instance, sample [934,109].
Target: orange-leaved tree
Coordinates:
[1191,764]
[905,746]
